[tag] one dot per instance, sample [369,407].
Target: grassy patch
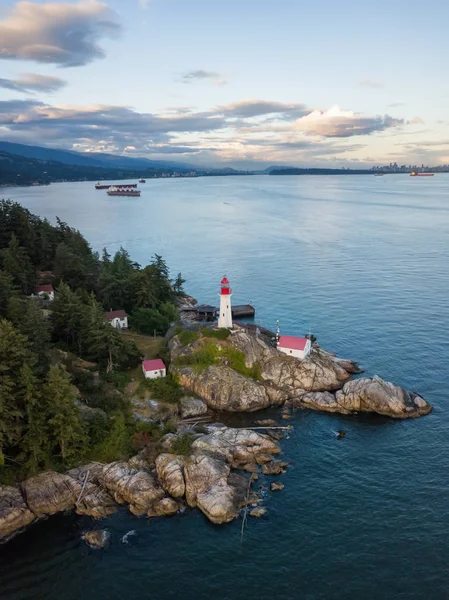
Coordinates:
[148,345]
[166,389]
[218,334]
[182,444]
[237,360]
[188,336]
[203,357]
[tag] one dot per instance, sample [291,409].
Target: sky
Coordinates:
[242,83]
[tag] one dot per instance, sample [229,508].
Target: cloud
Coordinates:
[396,104]
[250,130]
[33,82]
[144,3]
[340,123]
[200,75]
[254,108]
[369,83]
[59,33]
[416,121]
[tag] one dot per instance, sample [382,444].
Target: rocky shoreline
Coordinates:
[242,373]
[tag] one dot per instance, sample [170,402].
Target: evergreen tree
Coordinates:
[14,354]
[68,313]
[7,291]
[29,319]
[177,285]
[17,264]
[66,429]
[35,443]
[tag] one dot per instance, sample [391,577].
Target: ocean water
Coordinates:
[363,263]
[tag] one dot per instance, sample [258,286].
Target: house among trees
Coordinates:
[294,346]
[117,318]
[154,369]
[45,292]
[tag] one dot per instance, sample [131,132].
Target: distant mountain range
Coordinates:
[94,159]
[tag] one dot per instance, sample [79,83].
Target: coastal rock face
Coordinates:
[192,407]
[320,401]
[382,397]
[320,371]
[208,487]
[50,492]
[94,501]
[237,446]
[14,513]
[128,485]
[222,388]
[170,472]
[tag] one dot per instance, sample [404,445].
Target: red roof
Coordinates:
[225,280]
[153,365]
[114,314]
[44,288]
[292,343]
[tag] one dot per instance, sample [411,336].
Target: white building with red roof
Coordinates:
[294,346]
[117,318]
[154,369]
[46,292]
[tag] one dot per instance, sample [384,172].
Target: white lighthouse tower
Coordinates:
[225,316]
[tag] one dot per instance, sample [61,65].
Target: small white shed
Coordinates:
[154,369]
[117,318]
[46,292]
[294,346]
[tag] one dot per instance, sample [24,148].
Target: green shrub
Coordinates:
[205,356]
[237,360]
[165,389]
[188,336]
[218,334]
[182,444]
[118,378]
[117,444]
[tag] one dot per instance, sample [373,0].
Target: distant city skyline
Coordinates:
[240,83]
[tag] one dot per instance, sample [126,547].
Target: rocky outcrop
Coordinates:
[320,401]
[237,446]
[88,414]
[50,492]
[381,397]
[320,371]
[222,388]
[192,407]
[14,513]
[134,487]
[170,472]
[210,488]
[96,539]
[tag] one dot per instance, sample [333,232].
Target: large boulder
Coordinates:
[222,388]
[170,472]
[324,401]
[50,492]
[381,397]
[210,488]
[134,487]
[96,539]
[192,407]
[14,513]
[236,446]
[93,501]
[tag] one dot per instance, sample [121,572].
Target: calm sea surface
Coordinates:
[361,261]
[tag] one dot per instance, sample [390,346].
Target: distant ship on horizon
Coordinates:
[415,174]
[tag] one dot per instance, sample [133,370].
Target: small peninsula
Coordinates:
[86,428]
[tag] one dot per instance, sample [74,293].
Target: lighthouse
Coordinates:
[225,316]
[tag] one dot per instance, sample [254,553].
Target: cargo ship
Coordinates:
[142,181]
[105,186]
[122,191]
[415,174]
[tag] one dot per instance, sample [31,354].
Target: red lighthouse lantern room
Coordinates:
[225,289]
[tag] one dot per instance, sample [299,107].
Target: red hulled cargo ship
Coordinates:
[122,191]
